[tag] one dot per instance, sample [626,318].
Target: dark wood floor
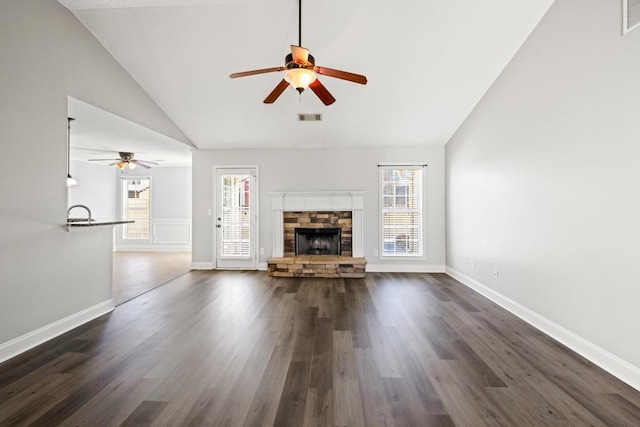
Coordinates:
[135,273]
[240,348]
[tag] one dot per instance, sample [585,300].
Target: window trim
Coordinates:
[120,235]
[423,209]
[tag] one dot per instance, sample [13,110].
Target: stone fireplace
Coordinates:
[313,223]
[317,234]
[297,208]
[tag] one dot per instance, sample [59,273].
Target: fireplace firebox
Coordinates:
[318,241]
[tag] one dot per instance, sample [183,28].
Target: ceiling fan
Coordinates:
[126,160]
[300,72]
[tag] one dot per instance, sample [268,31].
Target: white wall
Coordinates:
[543,184]
[95,190]
[170,209]
[320,170]
[46,273]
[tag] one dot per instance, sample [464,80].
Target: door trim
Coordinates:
[216,168]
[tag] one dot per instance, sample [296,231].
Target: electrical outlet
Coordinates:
[496,273]
[472,263]
[261,251]
[375,252]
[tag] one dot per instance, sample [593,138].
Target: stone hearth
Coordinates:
[329,266]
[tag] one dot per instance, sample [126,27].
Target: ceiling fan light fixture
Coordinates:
[120,165]
[132,165]
[300,78]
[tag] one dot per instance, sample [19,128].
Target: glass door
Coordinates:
[236,219]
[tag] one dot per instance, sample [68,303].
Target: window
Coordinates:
[401,205]
[136,205]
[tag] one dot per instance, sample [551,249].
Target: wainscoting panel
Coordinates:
[172,233]
[166,235]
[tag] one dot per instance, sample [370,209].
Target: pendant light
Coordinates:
[70,181]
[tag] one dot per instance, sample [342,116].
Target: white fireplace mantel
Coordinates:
[318,201]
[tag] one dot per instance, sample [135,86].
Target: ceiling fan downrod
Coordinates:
[300,23]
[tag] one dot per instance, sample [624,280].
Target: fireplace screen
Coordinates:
[318,241]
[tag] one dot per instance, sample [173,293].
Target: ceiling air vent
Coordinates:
[309,117]
[630,15]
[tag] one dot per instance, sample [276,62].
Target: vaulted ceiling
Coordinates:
[428,63]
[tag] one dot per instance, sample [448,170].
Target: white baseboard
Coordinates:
[611,363]
[25,342]
[202,266]
[209,266]
[405,268]
[153,248]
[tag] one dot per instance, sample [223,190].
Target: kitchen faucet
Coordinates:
[79,206]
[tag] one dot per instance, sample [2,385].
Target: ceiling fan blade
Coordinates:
[101,160]
[344,75]
[112,164]
[275,93]
[300,54]
[149,162]
[139,163]
[254,72]
[322,92]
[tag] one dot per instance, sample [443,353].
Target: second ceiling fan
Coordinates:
[300,72]
[126,160]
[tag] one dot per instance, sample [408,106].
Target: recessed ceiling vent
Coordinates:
[630,15]
[309,117]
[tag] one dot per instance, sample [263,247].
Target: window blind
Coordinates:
[235,221]
[136,205]
[402,207]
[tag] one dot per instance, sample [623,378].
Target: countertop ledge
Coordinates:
[75,224]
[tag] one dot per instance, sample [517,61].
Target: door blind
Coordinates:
[235,219]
